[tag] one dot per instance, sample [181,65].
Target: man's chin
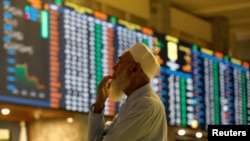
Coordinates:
[116,92]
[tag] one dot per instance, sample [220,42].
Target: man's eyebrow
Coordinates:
[119,58]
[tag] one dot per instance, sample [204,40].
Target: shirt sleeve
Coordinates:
[95,125]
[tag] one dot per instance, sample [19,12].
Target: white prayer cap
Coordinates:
[145,57]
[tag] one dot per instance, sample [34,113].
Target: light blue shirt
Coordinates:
[142,118]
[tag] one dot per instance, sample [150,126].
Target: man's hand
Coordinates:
[102,94]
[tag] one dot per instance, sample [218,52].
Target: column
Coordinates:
[160,15]
[220,35]
[23,132]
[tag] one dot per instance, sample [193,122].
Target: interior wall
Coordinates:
[139,8]
[13,127]
[59,129]
[243,50]
[195,28]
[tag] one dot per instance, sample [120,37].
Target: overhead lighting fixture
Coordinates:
[181,132]
[5,111]
[198,135]
[70,120]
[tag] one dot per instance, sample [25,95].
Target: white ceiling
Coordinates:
[236,11]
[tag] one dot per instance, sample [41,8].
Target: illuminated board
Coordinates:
[202,86]
[224,88]
[55,54]
[24,54]
[176,73]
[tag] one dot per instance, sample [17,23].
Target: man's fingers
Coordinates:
[106,81]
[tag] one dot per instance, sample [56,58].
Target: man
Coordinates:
[142,117]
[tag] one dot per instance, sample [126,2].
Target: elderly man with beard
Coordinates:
[142,117]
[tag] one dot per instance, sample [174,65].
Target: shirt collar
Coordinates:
[139,92]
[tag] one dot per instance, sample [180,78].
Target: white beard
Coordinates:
[118,85]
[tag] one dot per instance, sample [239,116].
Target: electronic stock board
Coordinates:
[54,53]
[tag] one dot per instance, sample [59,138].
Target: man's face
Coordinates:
[121,79]
[118,85]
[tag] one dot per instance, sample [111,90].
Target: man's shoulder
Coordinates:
[147,102]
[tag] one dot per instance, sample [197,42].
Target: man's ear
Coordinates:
[132,68]
[136,67]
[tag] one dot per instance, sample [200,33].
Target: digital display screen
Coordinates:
[54,54]
[202,86]
[24,54]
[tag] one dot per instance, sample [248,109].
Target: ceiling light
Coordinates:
[198,135]
[5,111]
[70,120]
[181,132]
